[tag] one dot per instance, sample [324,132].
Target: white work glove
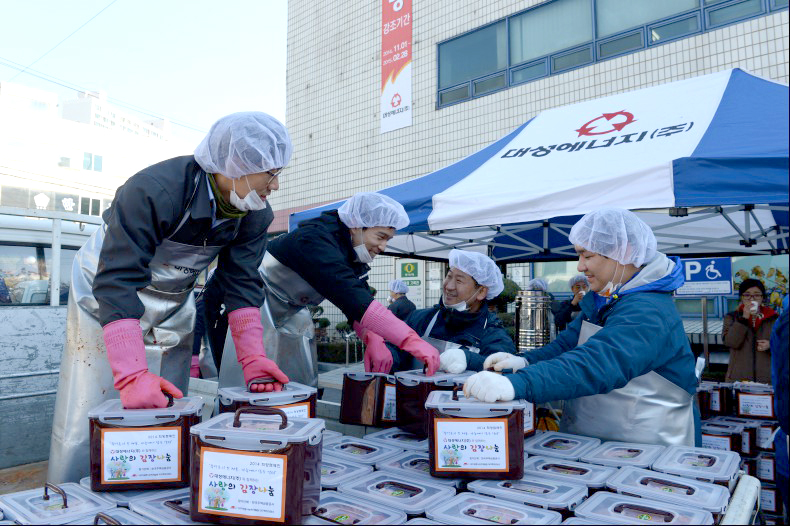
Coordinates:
[489,387]
[505,360]
[452,361]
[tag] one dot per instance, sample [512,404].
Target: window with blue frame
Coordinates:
[560,35]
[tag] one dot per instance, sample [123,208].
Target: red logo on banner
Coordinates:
[395,100]
[621,120]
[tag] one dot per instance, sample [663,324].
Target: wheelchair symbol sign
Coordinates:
[706,276]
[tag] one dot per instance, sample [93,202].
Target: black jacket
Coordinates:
[402,307]
[565,314]
[321,252]
[146,210]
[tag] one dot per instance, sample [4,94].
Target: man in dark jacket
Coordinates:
[569,309]
[461,319]
[400,305]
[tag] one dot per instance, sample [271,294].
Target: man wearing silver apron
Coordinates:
[624,366]
[131,310]
[327,257]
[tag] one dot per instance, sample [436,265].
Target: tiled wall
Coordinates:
[333,93]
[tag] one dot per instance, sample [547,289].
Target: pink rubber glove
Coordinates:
[194,367]
[378,358]
[139,388]
[379,319]
[247,333]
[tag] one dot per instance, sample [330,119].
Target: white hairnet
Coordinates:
[244,143]
[369,209]
[578,278]
[398,286]
[538,284]
[617,234]
[481,267]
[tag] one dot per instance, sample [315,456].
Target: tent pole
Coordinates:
[705,330]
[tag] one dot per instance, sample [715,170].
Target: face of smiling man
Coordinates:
[459,286]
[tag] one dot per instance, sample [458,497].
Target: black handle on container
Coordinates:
[56,489]
[106,518]
[257,381]
[455,392]
[176,505]
[260,410]
[169,398]
[320,514]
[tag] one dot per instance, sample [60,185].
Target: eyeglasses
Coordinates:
[274,173]
[752,296]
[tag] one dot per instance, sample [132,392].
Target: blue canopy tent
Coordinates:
[703,161]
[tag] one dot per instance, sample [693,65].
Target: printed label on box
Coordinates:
[471,444]
[388,411]
[715,400]
[133,455]
[300,410]
[529,419]
[746,447]
[765,469]
[716,442]
[768,499]
[756,405]
[242,484]
[764,434]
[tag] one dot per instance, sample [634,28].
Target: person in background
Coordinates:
[746,333]
[624,366]
[131,308]
[461,321]
[780,379]
[569,309]
[400,305]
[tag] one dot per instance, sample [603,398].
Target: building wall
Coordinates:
[333,82]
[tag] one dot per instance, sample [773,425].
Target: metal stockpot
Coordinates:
[533,326]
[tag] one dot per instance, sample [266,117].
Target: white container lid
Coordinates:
[722,428]
[112,412]
[363,376]
[619,454]
[292,392]
[532,490]
[579,521]
[341,508]
[698,463]
[455,403]
[471,508]
[331,436]
[397,437]
[591,475]
[121,498]
[745,422]
[613,508]
[156,509]
[335,471]
[253,428]
[410,494]
[29,506]
[361,451]
[121,515]
[420,521]
[560,445]
[414,464]
[416,376]
[670,488]
[753,387]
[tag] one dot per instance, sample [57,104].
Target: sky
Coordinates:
[191,61]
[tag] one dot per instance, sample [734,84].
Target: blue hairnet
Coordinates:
[244,143]
[398,286]
[481,267]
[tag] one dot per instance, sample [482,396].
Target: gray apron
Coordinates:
[288,331]
[85,376]
[441,345]
[649,410]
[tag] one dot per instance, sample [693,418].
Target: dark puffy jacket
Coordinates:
[320,251]
[565,313]
[780,378]
[148,209]
[482,329]
[402,307]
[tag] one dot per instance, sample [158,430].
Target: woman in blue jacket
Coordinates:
[624,366]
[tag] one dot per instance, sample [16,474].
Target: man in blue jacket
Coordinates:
[461,323]
[780,378]
[624,366]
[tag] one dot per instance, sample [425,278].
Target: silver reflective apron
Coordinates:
[85,375]
[649,410]
[288,331]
